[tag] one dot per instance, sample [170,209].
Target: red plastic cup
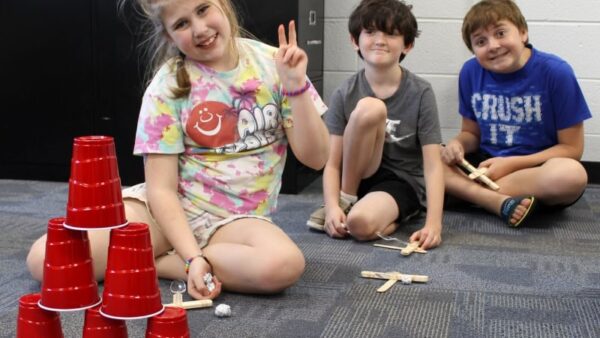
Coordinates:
[34,322]
[130,282]
[95,200]
[68,283]
[172,323]
[98,326]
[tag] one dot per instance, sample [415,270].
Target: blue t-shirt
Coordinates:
[520,113]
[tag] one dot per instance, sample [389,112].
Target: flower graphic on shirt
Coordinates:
[244,96]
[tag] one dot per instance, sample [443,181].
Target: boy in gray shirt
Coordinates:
[384,164]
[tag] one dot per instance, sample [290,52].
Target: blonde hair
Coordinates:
[159,50]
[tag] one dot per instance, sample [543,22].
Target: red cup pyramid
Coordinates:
[131,285]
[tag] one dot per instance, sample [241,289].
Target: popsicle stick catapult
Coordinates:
[479,174]
[404,251]
[192,304]
[178,287]
[393,277]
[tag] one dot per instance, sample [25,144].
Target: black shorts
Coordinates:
[401,191]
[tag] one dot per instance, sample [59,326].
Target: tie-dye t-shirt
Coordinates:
[229,132]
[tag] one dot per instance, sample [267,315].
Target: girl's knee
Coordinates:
[281,271]
[35,258]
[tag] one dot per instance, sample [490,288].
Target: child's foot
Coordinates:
[317,218]
[515,210]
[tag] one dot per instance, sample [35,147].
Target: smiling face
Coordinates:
[500,48]
[201,31]
[379,49]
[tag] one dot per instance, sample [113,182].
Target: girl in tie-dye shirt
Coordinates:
[214,127]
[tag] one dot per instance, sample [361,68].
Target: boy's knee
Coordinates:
[572,176]
[35,258]
[369,110]
[577,179]
[359,228]
[371,104]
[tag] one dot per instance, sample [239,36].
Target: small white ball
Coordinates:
[223,310]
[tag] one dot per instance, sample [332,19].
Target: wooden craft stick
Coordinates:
[479,172]
[193,304]
[387,285]
[418,249]
[479,175]
[177,299]
[394,275]
[410,248]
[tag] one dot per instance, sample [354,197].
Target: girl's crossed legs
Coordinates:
[247,255]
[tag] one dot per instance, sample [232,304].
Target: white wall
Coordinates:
[563,27]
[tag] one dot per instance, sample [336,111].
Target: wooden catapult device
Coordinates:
[479,175]
[393,277]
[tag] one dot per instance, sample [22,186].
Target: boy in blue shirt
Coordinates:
[522,119]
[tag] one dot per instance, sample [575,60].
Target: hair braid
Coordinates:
[183,78]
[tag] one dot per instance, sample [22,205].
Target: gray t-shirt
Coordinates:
[412,122]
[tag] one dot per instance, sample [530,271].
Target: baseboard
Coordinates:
[593,171]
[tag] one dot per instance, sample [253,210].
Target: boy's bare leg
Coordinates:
[363,143]
[247,255]
[375,212]
[559,181]
[459,185]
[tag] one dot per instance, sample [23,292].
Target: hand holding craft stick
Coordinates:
[479,174]
[405,251]
[178,287]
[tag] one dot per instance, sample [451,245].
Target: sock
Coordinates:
[351,199]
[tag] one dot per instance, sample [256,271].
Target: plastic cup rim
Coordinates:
[47,308]
[92,138]
[132,318]
[72,227]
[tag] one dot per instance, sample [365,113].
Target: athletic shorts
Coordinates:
[203,224]
[401,191]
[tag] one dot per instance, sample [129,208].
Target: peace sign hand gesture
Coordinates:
[290,60]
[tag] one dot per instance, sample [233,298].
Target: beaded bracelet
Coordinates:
[189,261]
[297,91]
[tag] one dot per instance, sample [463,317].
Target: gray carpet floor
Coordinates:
[486,280]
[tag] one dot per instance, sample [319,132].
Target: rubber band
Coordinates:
[298,91]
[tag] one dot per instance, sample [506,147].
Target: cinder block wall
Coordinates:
[567,28]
